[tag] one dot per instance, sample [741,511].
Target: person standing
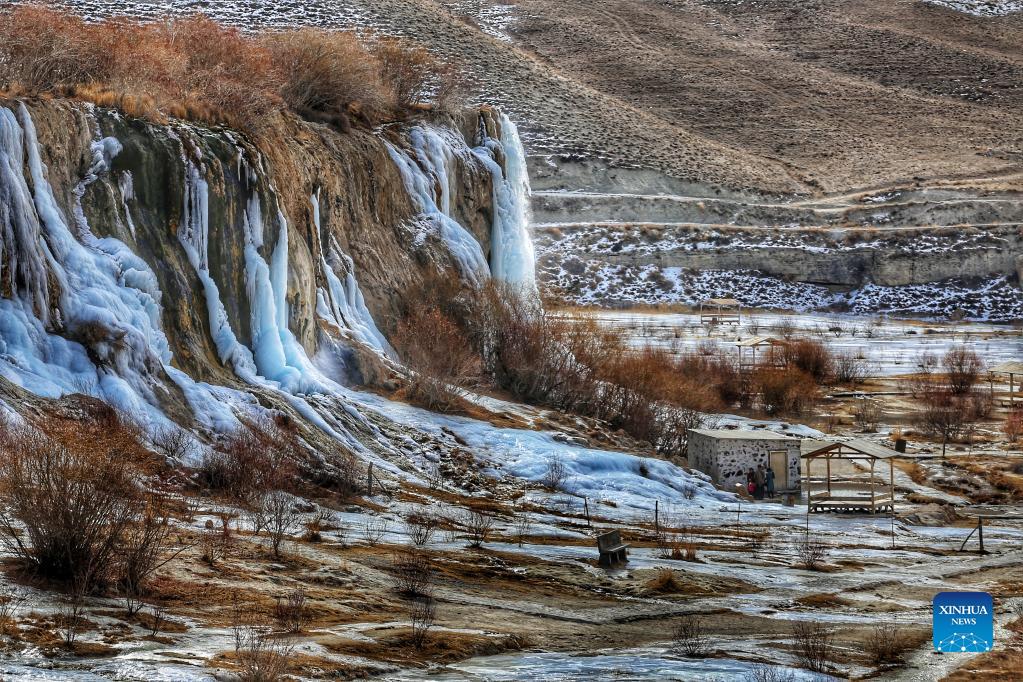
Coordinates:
[770,482]
[758,481]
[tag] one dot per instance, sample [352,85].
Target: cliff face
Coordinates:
[141,262]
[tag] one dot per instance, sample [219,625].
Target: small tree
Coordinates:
[810,551]
[278,511]
[143,551]
[413,572]
[290,611]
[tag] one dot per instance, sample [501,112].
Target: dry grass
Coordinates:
[823,600]
[197,69]
[994,666]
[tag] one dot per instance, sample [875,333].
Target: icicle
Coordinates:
[342,303]
[426,179]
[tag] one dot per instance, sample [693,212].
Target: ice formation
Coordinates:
[424,172]
[511,257]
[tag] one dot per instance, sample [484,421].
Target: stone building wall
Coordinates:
[726,460]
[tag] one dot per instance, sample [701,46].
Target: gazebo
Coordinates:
[849,493]
[755,343]
[1013,369]
[721,311]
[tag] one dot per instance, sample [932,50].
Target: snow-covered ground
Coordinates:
[982,8]
[889,347]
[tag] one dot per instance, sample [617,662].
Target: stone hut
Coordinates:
[727,454]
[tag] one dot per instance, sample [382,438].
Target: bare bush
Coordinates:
[374,531]
[420,528]
[413,572]
[158,618]
[67,496]
[767,673]
[523,526]
[850,368]
[439,356]
[263,657]
[814,645]
[786,391]
[688,637]
[290,611]
[555,473]
[281,519]
[478,526]
[887,644]
[143,551]
[867,414]
[412,73]
[422,613]
[255,460]
[963,367]
[811,357]
[810,551]
[1013,427]
[11,602]
[212,545]
[176,444]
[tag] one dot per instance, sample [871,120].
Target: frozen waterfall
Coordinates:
[511,257]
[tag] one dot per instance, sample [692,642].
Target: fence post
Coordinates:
[980,530]
[586,506]
[369,480]
[657,516]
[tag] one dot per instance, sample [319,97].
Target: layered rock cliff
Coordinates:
[181,272]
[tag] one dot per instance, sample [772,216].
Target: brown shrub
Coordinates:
[963,368]
[1013,426]
[195,68]
[811,357]
[786,391]
[69,493]
[253,461]
[440,358]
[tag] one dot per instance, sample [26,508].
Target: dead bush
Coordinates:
[478,526]
[68,495]
[1013,426]
[263,657]
[413,572]
[422,613]
[867,414]
[814,645]
[254,460]
[850,368]
[144,550]
[766,673]
[439,356]
[279,518]
[555,473]
[811,357]
[412,73]
[786,391]
[290,611]
[688,638]
[11,602]
[810,551]
[887,644]
[420,528]
[329,76]
[963,367]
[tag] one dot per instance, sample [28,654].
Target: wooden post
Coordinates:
[891,487]
[809,486]
[873,462]
[980,531]
[1012,391]
[828,460]
[586,506]
[657,514]
[369,480]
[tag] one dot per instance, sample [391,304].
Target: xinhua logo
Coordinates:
[963,622]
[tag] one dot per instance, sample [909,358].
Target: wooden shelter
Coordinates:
[763,344]
[849,493]
[721,311]
[1012,369]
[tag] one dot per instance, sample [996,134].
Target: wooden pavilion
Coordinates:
[721,311]
[1012,369]
[763,344]
[849,492]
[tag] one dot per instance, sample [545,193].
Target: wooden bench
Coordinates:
[613,552]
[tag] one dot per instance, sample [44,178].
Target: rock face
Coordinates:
[142,262]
